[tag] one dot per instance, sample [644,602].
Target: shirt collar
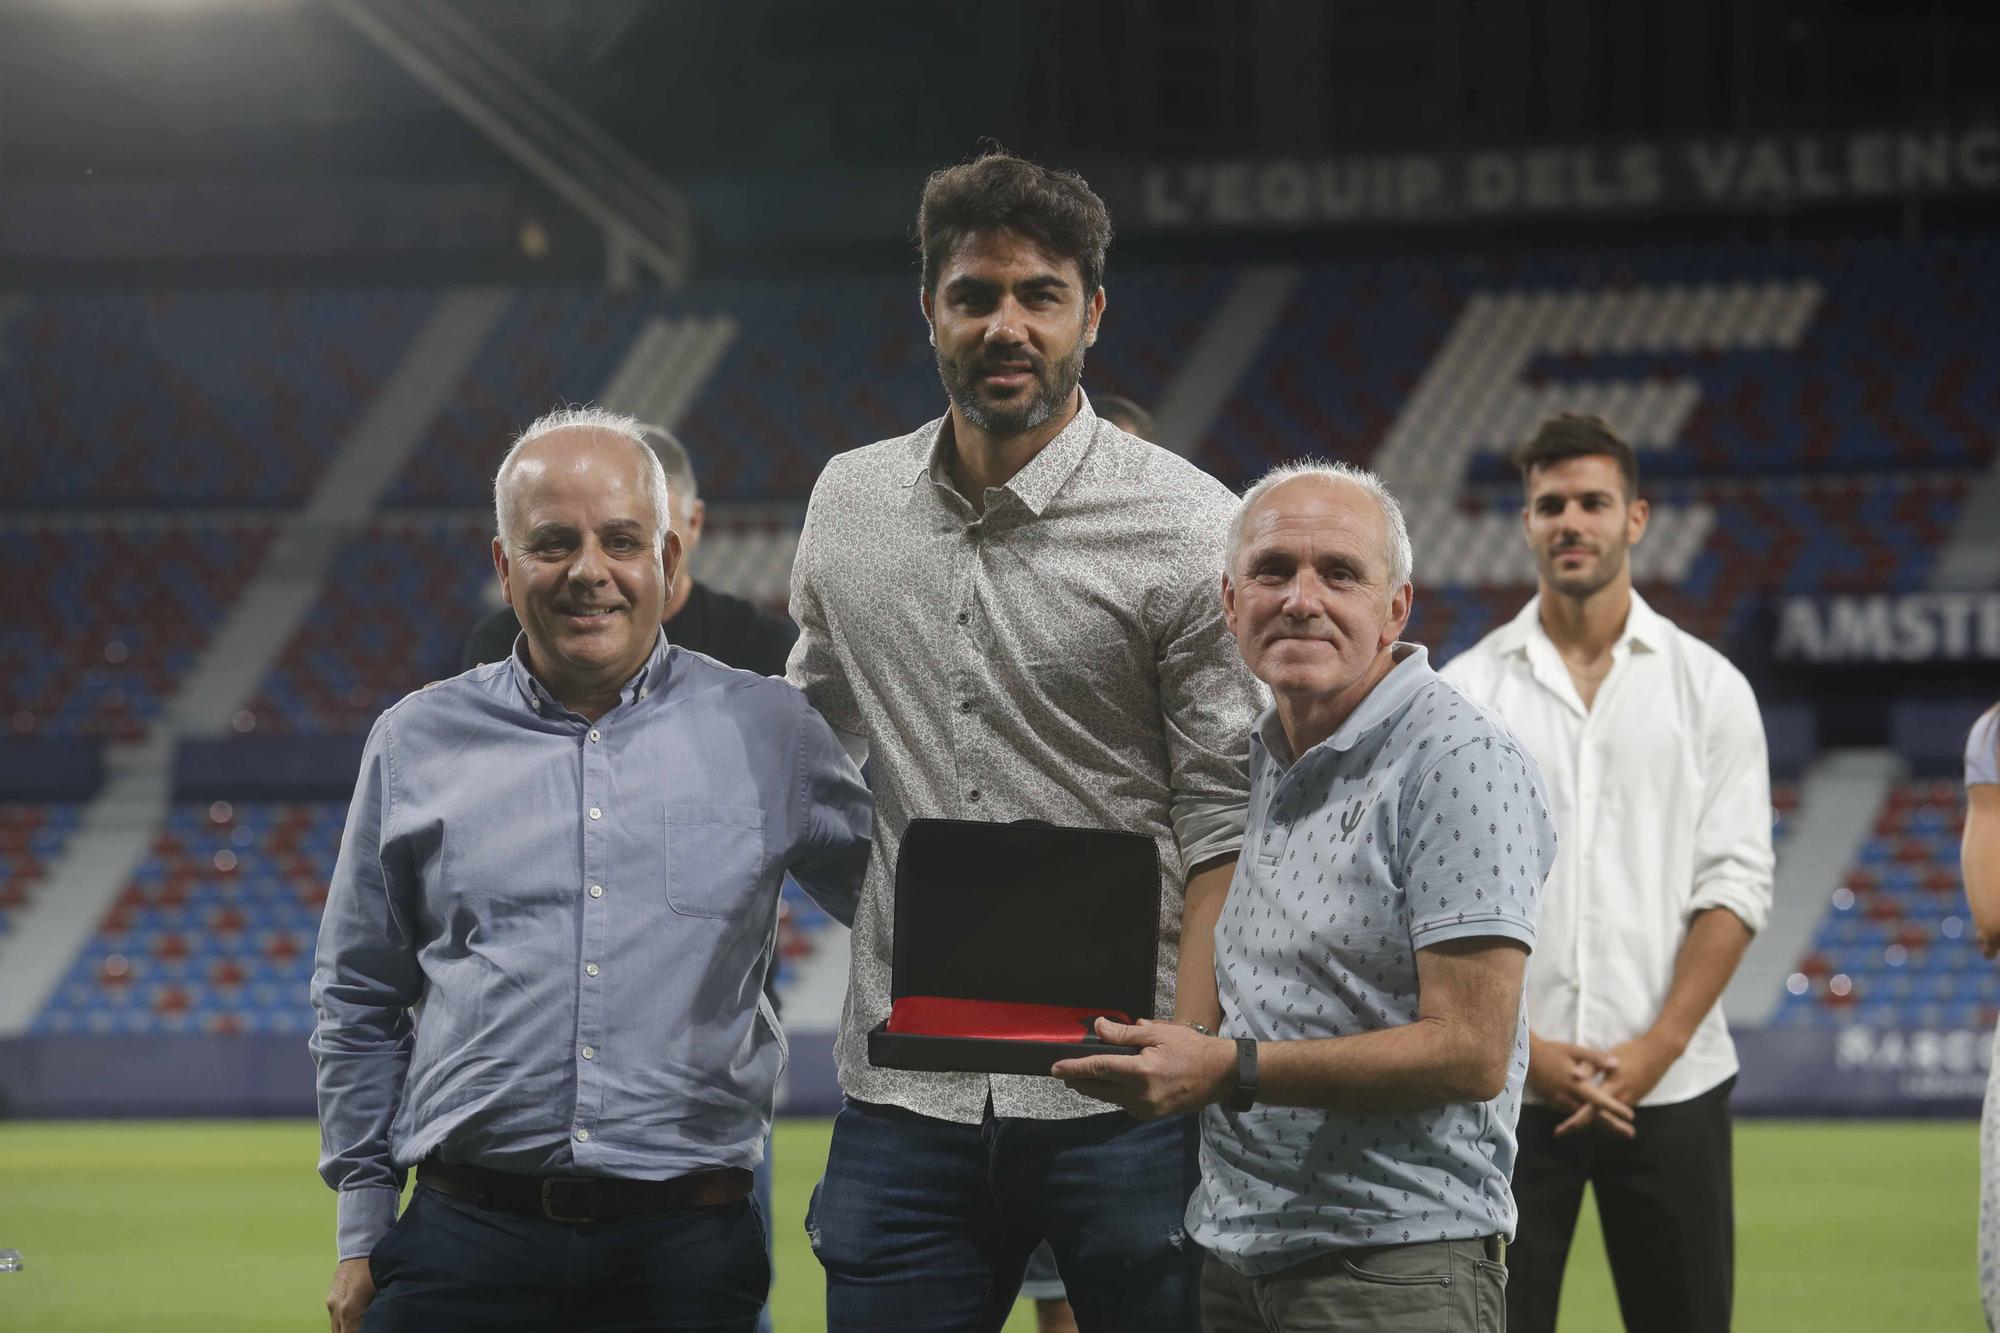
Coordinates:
[1643,626]
[1381,704]
[651,674]
[1034,485]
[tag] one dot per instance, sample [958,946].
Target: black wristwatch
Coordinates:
[1244,1095]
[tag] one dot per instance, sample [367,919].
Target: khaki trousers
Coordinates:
[1446,1286]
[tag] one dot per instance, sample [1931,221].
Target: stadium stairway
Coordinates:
[1838,798]
[272,605]
[1971,558]
[1217,362]
[118,825]
[667,366]
[114,832]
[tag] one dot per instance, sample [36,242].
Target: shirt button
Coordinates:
[595,813]
[644,690]
[965,705]
[590,1052]
[593,733]
[972,795]
[597,890]
[965,617]
[583,1136]
[590,969]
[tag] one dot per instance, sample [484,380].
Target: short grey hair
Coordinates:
[585,418]
[674,458]
[1401,559]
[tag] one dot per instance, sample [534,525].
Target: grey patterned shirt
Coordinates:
[1060,657]
[1420,820]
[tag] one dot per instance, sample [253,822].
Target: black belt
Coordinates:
[582,1198]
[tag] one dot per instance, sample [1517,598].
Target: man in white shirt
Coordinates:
[1653,750]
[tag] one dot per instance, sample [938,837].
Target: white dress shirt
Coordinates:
[1662,798]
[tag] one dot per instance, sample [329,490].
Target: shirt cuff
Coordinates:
[365,1215]
[1751,903]
[1430,934]
[1208,829]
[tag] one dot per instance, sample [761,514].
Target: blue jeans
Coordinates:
[447,1266]
[923,1224]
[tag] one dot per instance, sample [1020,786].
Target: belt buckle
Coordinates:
[549,1212]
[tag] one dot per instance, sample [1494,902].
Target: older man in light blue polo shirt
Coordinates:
[1359,1103]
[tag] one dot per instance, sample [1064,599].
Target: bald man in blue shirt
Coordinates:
[540,973]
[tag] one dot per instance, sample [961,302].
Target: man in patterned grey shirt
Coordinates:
[1013,609]
[1358,1108]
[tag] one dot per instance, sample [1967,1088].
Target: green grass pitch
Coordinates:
[217,1226]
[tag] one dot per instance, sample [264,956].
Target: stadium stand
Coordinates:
[1880,376]
[551,346]
[1811,418]
[215,931]
[1895,948]
[395,611]
[31,836]
[1751,541]
[201,399]
[819,365]
[401,599]
[102,619]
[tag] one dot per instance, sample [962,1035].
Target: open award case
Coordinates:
[1011,939]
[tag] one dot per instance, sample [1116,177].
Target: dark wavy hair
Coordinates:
[997,189]
[1573,435]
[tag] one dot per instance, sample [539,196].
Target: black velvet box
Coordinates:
[1016,915]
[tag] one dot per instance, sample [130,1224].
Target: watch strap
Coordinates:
[1244,1095]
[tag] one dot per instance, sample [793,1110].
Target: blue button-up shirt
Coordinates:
[546,938]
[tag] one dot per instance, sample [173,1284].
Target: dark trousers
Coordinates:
[762,1189]
[448,1266]
[923,1224]
[1667,1204]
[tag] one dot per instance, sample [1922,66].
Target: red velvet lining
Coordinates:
[941,1016]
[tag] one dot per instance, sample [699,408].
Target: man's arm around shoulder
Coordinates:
[833,820]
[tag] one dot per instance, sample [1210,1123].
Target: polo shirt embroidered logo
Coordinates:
[1352,819]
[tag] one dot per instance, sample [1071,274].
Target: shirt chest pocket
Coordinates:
[716,858]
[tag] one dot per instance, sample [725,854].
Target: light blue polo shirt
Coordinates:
[1420,820]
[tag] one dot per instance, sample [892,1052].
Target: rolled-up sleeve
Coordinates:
[833,820]
[1732,845]
[1208,703]
[365,980]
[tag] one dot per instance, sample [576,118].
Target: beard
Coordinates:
[1589,581]
[1048,394]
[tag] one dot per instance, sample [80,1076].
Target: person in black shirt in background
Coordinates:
[729,629]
